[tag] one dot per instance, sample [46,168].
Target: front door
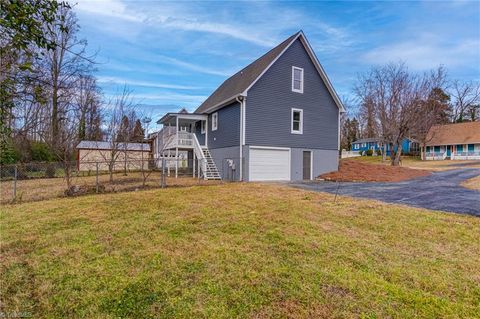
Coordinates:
[307,165]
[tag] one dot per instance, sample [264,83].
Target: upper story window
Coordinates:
[297,79]
[214,121]
[297,121]
[202,127]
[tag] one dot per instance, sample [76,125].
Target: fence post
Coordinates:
[15,182]
[96,177]
[162,178]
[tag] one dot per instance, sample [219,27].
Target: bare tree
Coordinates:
[432,107]
[88,101]
[64,64]
[120,106]
[466,98]
[403,103]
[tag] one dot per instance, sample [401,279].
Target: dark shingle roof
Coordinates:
[368,140]
[241,80]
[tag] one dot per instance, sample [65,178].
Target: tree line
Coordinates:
[392,103]
[49,95]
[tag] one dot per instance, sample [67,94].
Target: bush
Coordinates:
[360,152]
[8,153]
[41,152]
[379,152]
[369,152]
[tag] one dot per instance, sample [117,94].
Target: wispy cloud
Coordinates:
[192,66]
[176,19]
[121,81]
[427,52]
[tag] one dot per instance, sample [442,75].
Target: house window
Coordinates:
[297,79]
[297,121]
[202,127]
[364,144]
[214,121]
[355,146]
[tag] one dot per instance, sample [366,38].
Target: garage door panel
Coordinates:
[269,164]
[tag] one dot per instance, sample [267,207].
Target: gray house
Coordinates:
[275,120]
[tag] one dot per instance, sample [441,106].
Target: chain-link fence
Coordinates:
[38,181]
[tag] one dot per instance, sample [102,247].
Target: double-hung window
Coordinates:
[297,79]
[214,121]
[202,127]
[297,121]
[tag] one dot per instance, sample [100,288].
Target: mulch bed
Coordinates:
[355,171]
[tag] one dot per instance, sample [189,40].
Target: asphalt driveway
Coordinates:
[439,191]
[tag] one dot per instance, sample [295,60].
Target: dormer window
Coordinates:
[297,79]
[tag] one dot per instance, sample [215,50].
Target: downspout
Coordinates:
[241,99]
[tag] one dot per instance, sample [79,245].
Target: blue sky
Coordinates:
[174,54]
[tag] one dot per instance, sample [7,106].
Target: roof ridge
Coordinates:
[239,81]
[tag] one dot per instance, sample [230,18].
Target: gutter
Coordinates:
[242,100]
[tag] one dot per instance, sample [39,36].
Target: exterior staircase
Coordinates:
[211,171]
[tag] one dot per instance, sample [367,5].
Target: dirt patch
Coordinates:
[472,183]
[356,171]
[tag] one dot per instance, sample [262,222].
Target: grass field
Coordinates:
[472,183]
[236,250]
[417,163]
[48,188]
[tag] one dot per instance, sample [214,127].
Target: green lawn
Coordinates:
[236,250]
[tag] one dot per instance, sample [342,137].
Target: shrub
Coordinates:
[360,152]
[41,152]
[369,152]
[379,152]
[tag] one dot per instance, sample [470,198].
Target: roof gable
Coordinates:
[242,81]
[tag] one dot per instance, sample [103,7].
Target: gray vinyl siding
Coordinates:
[198,133]
[221,156]
[270,100]
[324,161]
[228,131]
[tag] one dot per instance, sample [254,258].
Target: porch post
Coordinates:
[176,151]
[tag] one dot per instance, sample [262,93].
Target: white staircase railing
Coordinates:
[202,161]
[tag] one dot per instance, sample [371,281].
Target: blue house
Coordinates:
[276,119]
[409,146]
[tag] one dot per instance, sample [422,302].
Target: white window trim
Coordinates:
[215,123]
[202,126]
[293,79]
[300,131]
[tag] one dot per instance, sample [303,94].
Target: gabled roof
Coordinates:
[451,134]
[240,82]
[101,145]
[367,140]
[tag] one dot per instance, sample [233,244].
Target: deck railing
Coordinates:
[468,155]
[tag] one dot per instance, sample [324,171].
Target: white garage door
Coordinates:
[269,164]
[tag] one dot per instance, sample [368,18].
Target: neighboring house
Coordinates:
[127,155]
[276,119]
[460,141]
[409,146]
